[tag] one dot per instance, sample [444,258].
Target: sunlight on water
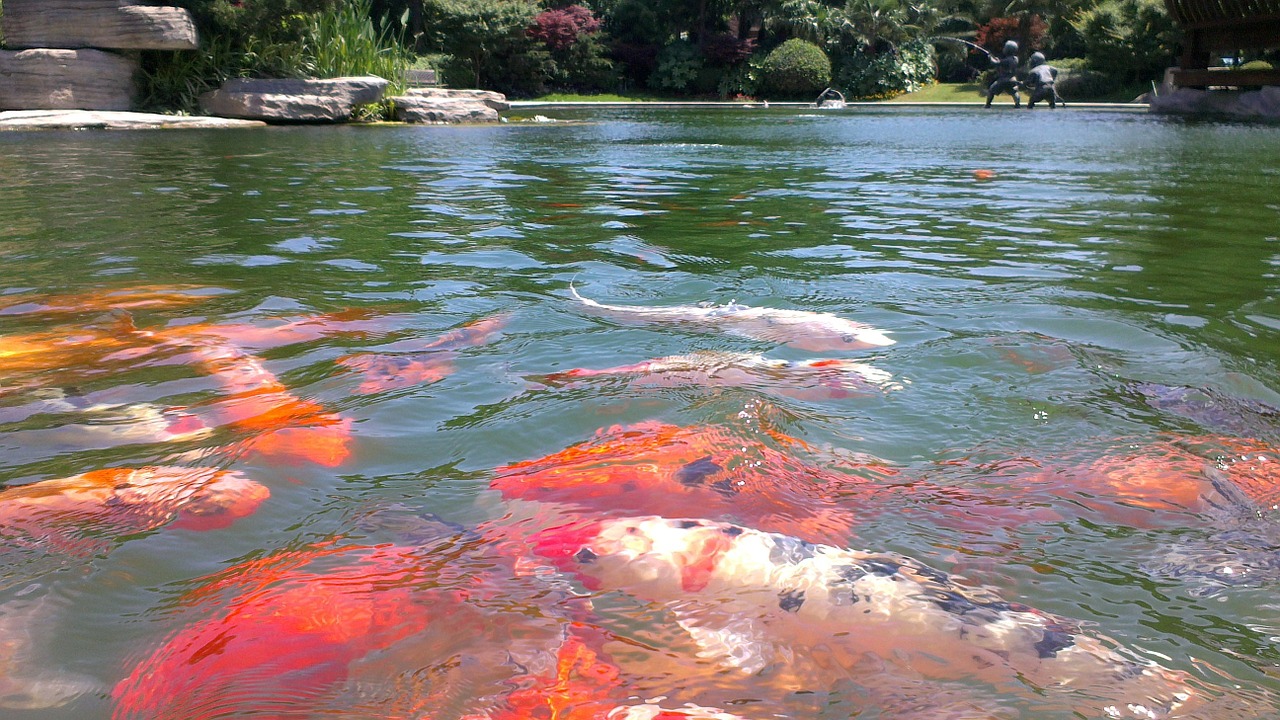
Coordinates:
[913,414]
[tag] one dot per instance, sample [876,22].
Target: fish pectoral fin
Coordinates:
[728,634]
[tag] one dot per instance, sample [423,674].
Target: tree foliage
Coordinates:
[795,69]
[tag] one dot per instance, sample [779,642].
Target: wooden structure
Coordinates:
[1224,26]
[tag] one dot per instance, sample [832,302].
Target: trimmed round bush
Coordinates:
[795,69]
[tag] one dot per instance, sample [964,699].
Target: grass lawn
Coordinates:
[945,92]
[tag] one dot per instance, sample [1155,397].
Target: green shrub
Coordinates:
[795,69]
[887,74]
[678,67]
[487,43]
[1082,85]
[1257,65]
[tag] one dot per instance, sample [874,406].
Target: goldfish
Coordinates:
[804,329]
[828,377]
[124,501]
[425,363]
[752,600]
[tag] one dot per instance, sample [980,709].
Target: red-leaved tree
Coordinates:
[559,29]
[1028,32]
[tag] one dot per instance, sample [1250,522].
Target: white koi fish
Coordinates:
[755,601]
[828,376]
[802,329]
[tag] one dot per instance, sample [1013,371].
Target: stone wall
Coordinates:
[58,51]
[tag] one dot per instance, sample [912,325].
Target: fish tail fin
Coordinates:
[584,301]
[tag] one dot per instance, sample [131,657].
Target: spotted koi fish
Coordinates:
[753,600]
[807,330]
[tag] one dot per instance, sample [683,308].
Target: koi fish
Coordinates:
[284,640]
[426,363]
[151,296]
[655,468]
[27,682]
[247,336]
[752,600]
[807,330]
[826,377]
[70,512]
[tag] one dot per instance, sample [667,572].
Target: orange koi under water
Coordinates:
[407,364]
[68,512]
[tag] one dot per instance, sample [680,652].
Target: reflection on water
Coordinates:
[308,421]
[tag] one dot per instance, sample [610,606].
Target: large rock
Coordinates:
[110,24]
[441,111]
[65,80]
[1261,104]
[293,101]
[497,101]
[110,120]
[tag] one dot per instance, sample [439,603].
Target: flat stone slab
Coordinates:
[495,100]
[92,120]
[442,111]
[109,24]
[293,101]
[49,79]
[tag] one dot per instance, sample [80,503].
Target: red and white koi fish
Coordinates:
[754,600]
[71,512]
[807,330]
[407,363]
[827,377]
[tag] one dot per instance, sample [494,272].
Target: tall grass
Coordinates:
[346,41]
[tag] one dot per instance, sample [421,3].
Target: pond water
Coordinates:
[373,325]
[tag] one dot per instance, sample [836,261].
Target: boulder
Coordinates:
[442,111]
[1261,104]
[275,108]
[49,79]
[497,101]
[293,101]
[110,24]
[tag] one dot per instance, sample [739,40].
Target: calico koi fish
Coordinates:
[832,378]
[124,501]
[807,330]
[425,363]
[752,600]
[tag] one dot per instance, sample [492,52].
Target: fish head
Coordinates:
[225,498]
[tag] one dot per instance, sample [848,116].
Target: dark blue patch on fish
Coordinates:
[725,487]
[791,600]
[585,555]
[1052,642]
[882,568]
[697,472]
[790,550]
[731,530]
[688,524]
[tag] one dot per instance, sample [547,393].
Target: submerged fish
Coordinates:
[27,680]
[802,329]
[656,468]
[129,298]
[72,512]
[833,378]
[753,600]
[420,363]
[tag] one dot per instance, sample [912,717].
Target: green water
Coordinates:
[1109,250]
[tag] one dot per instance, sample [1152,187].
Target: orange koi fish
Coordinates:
[393,369]
[654,468]
[69,512]
[350,323]
[279,424]
[807,330]
[753,599]
[1157,483]
[132,298]
[286,641]
[829,378]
